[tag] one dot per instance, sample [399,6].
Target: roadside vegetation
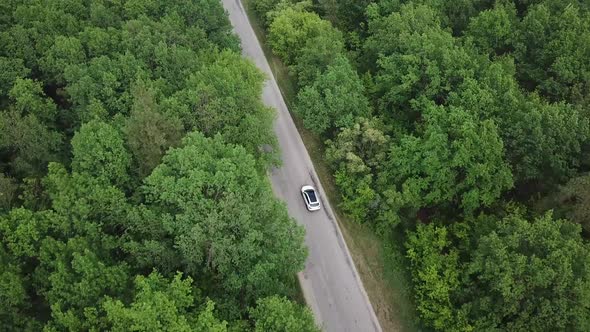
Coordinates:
[133,189]
[459,133]
[383,270]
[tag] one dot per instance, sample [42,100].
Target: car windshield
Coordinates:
[312,197]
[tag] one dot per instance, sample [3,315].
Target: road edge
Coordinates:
[336,224]
[307,291]
[303,282]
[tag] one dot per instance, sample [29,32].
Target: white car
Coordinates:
[310,196]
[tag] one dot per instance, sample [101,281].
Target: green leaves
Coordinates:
[356,155]
[263,7]
[281,315]
[27,97]
[292,28]
[334,100]
[104,81]
[493,30]
[22,231]
[79,277]
[573,199]
[120,83]
[530,127]
[148,132]
[64,51]
[27,133]
[315,57]
[99,151]
[11,69]
[224,98]
[436,274]
[28,142]
[456,159]
[161,305]
[415,61]
[13,295]
[538,271]
[225,221]
[552,46]
[8,192]
[515,274]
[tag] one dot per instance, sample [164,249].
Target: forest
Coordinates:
[461,127]
[133,189]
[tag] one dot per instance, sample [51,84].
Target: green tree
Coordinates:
[530,275]
[493,30]
[531,128]
[564,135]
[211,17]
[161,305]
[457,14]
[6,17]
[553,52]
[281,315]
[88,205]
[458,159]
[73,278]
[99,42]
[334,100]
[14,300]
[23,231]
[314,58]
[292,28]
[365,140]
[27,145]
[225,222]
[166,46]
[573,199]
[99,151]
[436,272]
[27,97]
[28,140]
[223,97]
[453,15]
[18,42]
[148,132]
[136,8]
[350,14]
[416,60]
[8,192]
[11,69]
[146,241]
[386,28]
[65,51]
[356,155]
[104,80]
[263,7]
[68,276]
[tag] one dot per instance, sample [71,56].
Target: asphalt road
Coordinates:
[330,282]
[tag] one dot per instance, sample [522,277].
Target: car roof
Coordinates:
[312,195]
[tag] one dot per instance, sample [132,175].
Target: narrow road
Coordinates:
[330,282]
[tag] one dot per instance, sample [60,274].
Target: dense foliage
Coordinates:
[133,195]
[458,124]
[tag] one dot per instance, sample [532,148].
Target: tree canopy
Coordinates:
[221,214]
[279,314]
[334,99]
[133,151]
[454,126]
[519,274]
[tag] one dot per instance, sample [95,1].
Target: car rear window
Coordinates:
[312,197]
